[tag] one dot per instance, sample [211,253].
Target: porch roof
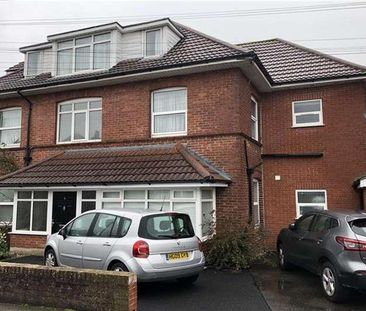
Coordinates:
[172,163]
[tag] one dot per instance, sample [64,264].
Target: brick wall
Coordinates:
[27,240]
[341,140]
[87,290]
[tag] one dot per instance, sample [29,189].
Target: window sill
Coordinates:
[29,233]
[79,142]
[308,125]
[168,135]
[10,147]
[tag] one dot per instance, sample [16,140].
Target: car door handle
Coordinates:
[107,244]
[79,242]
[320,241]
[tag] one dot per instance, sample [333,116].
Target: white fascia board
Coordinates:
[35,47]
[122,186]
[362,183]
[154,24]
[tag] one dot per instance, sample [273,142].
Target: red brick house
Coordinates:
[157,115]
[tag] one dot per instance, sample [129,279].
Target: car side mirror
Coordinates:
[63,233]
[292,227]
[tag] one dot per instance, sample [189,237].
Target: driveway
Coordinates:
[298,290]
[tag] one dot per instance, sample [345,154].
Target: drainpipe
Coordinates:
[28,149]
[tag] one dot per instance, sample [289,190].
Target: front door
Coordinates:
[64,209]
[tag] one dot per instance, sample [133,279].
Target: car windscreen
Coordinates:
[358,226]
[166,226]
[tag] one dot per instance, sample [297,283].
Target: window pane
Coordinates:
[23,215]
[253,129]
[304,224]
[64,62]
[111,204]
[104,225]
[120,227]
[256,214]
[311,106]
[95,105]
[310,208]
[65,44]
[10,118]
[88,195]
[84,40]
[187,208]
[207,194]
[170,123]
[102,37]
[311,197]
[170,101]
[253,106]
[159,206]
[6,195]
[65,107]
[95,124]
[39,216]
[40,195]
[255,191]
[9,137]
[79,125]
[65,127]
[82,58]
[207,218]
[110,195]
[87,206]
[34,62]
[308,118]
[102,55]
[24,194]
[134,194]
[152,43]
[81,106]
[81,225]
[183,194]
[137,205]
[6,213]
[159,194]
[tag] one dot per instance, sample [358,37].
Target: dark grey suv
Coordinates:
[331,244]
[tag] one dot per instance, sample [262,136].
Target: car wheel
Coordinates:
[331,285]
[282,261]
[188,280]
[50,259]
[119,267]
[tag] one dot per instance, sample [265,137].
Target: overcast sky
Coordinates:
[341,32]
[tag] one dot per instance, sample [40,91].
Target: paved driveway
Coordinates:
[298,290]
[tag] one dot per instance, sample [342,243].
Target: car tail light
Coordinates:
[140,249]
[351,244]
[200,245]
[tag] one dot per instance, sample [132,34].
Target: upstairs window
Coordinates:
[33,63]
[83,54]
[307,113]
[153,42]
[254,119]
[310,200]
[10,124]
[80,121]
[169,112]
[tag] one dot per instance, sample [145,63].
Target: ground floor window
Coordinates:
[310,200]
[256,207]
[6,206]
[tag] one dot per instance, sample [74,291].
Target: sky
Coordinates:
[334,27]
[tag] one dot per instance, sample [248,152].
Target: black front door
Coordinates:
[64,209]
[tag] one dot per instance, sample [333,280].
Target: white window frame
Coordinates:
[73,112]
[159,49]
[91,57]
[325,204]
[39,68]
[32,200]
[256,205]
[153,114]
[320,113]
[12,128]
[254,119]
[8,203]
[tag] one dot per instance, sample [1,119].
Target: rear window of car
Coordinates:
[165,227]
[358,226]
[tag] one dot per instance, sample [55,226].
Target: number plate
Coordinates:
[177,256]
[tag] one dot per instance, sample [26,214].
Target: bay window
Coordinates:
[83,54]
[6,206]
[169,112]
[80,121]
[310,200]
[10,125]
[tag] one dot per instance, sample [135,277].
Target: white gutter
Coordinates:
[362,183]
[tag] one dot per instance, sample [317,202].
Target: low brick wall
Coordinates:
[27,240]
[88,290]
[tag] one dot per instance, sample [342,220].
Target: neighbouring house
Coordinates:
[159,116]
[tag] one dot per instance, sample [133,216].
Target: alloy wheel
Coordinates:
[50,260]
[328,281]
[281,256]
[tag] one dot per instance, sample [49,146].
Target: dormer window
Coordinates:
[33,63]
[153,42]
[83,54]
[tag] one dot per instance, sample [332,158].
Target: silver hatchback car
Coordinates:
[154,245]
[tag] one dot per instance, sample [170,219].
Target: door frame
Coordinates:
[77,213]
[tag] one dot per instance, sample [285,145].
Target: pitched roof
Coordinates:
[193,48]
[287,62]
[118,165]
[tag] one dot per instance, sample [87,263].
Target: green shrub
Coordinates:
[4,248]
[236,250]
